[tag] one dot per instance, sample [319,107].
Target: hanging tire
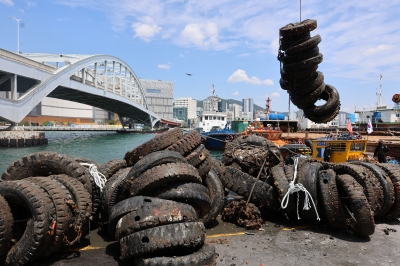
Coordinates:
[111,167]
[386,190]
[325,117]
[27,201]
[330,199]
[152,160]
[45,164]
[62,216]
[181,236]
[193,194]
[115,190]
[300,75]
[6,225]
[304,46]
[186,144]
[127,218]
[393,172]
[304,64]
[159,142]
[300,57]
[205,256]
[294,29]
[361,218]
[216,192]
[242,184]
[288,41]
[331,96]
[313,84]
[303,101]
[161,175]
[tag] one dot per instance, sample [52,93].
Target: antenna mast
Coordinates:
[379,93]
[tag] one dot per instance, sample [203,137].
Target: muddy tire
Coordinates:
[81,204]
[362,176]
[205,256]
[152,160]
[281,183]
[242,183]
[181,236]
[310,85]
[294,29]
[216,192]
[301,57]
[393,172]
[63,216]
[198,155]
[304,64]
[111,167]
[159,142]
[361,219]
[308,177]
[161,175]
[27,201]
[304,46]
[45,164]
[193,194]
[298,76]
[204,167]
[325,117]
[6,225]
[115,190]
[330,200]
[140,213]
[386,197]
[186,144]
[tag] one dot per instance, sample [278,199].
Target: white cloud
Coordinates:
[235,93]
[379,48]
[30,4]
[7,2]
[202,35]
[146,29]
[164,66]
[241,76]
[22,11]
[275,95]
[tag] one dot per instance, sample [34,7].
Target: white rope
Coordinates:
[98,177]
[296,188]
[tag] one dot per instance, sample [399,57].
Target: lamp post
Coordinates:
[17,20]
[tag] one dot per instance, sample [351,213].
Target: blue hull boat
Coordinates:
[217,139]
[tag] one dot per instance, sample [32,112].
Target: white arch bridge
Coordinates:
[102,81]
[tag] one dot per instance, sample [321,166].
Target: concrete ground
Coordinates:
[277,243]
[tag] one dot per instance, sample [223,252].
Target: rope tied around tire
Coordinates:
[296,188]
[98,177]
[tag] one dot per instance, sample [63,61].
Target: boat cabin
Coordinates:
[342,150]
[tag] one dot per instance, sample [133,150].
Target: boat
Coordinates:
[140,131]
[217,137]
[343,150]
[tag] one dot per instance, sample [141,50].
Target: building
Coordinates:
[248,108]
[159,95]
[181,113]
[189,103]
[212,103]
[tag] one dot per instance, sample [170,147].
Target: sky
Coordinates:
[230,44]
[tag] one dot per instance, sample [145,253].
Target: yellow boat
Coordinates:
[342,150]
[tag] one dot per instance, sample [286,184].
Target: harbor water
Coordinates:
[98,146]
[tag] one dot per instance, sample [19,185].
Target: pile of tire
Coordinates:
[171,174]
[299,56]
[246,168]
[45,205]
[348,196]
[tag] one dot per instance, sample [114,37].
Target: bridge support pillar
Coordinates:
[14,94]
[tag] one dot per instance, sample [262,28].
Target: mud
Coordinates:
[246,216]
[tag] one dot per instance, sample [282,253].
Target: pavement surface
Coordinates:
[277,243]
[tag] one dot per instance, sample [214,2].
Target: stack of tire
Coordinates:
[154,231]
[45,205]
[349,196]
[299,55]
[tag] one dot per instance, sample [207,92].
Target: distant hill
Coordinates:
[231,101]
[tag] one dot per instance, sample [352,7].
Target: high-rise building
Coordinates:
[248,108]
[189,103]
